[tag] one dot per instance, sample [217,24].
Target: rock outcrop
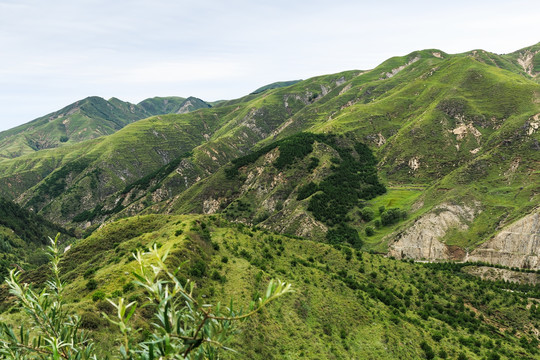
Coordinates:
[421,241]
[517,245]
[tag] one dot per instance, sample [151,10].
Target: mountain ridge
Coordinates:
[86,119]
[386,197]
[428,116]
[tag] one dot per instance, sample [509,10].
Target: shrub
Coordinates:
[344,233]
[98,295]
[128,287]
[198,269]
[91,320]
[367,214]
[369,231]
[91,285]
[392,216]
[89,273]
[57,334]
[307,190]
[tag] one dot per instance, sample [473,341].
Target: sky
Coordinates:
[55,52]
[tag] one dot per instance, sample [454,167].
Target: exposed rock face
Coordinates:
[390,74]
[422,239]
[518,245]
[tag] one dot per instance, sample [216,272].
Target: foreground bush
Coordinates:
[183,328]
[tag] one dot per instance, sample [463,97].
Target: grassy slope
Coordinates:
[23,236]
[346,304]
[85,119]
[463,91]
[444,113]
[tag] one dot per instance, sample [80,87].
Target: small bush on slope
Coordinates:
[183,327]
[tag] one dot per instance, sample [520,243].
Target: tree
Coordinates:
[183,327]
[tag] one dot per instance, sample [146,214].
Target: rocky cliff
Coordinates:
[517,245]
[422,240]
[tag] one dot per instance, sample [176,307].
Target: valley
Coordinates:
[401,203]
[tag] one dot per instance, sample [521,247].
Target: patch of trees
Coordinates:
[343,233]
[392,216]
[27,225]
[89,215]
[351,180]
[307,190]
[353,177]
[291,149]
[158,175]
[54,184]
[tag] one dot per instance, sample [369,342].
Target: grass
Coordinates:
[408,118]
[346,304]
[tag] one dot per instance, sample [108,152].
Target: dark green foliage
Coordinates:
[367,214]
[92,321]
[156,176]
[88,273]
[392,216]
[295,147]
[307,190]
[369,231]
[54,184]
[27,225]
[64,138]
[313,163]
[290,149]
[97,211]
[128,287]
[344,234]
[428,351]
[98,295]
[91,285]
[353,179]
[198,269]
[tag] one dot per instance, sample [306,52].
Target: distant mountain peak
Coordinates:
[275,85]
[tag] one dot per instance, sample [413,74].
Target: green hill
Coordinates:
[454,135]
[346,304]
[86,119]
[23,236]
[377,194]
[275,85]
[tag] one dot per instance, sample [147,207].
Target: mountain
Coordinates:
[275,85]
[172,105]
[346,303]
[23,237]
[401,202]
[86,119]
[455,137]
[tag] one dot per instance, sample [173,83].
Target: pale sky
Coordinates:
[55,52]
